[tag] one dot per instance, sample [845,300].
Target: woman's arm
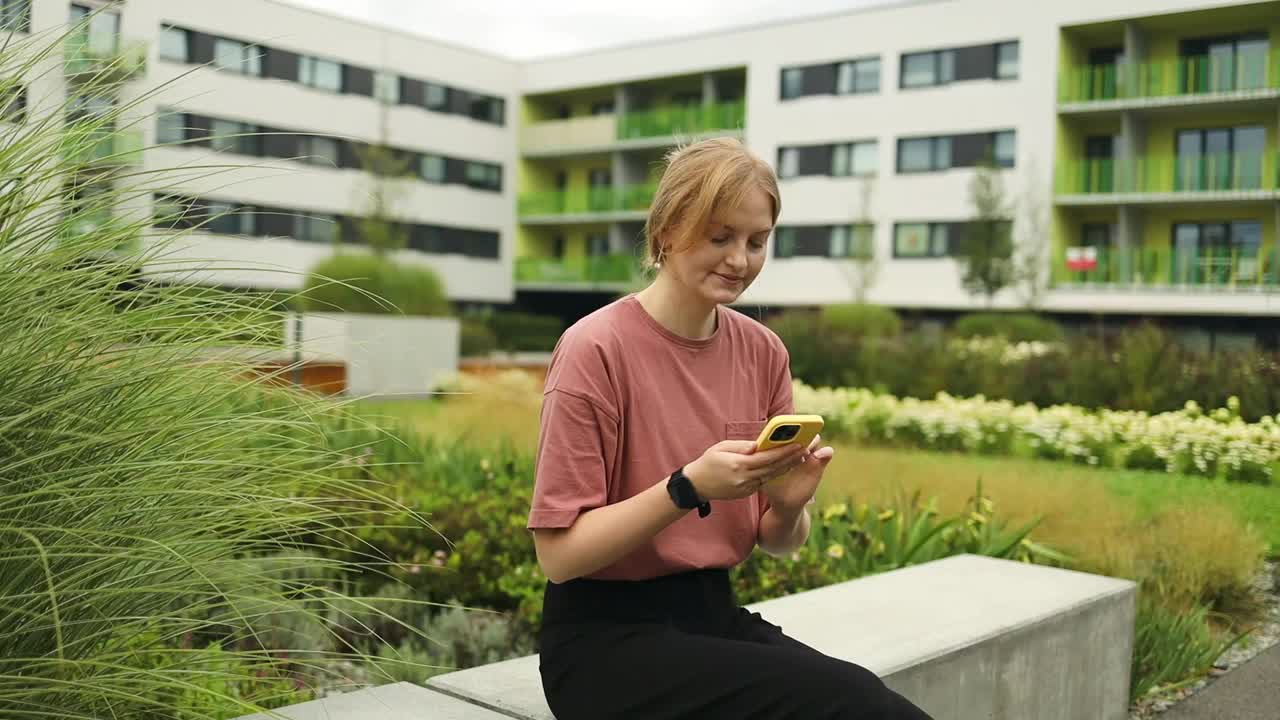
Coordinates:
[781,531]
[604,535]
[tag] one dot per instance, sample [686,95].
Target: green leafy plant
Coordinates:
[141,480]
[363,283]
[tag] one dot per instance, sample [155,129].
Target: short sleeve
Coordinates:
[576,446]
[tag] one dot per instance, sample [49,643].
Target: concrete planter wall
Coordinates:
[384,355]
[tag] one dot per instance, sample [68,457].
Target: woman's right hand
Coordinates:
[733,469]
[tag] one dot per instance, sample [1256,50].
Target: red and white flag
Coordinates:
[1082,258]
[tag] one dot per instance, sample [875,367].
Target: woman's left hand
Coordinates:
[790,492]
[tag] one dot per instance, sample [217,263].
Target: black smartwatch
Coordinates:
[684,495]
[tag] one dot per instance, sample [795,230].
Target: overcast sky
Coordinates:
[526,29]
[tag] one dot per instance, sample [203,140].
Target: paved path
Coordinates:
[1249,692]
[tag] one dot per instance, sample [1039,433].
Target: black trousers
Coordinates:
[680,647]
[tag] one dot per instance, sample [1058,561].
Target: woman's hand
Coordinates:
[734,469]
[794,490]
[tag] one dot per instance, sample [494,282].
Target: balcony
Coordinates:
[1216,269]
[601,204]
[102,61]
[1182,81]
[664,122]
[1226,176]
[606,271]
[96,149]
[580,134]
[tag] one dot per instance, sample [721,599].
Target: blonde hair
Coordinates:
[698,179]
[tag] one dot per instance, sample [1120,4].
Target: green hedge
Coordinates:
[861,320]
[1014,327]
[525,332]
[360,283]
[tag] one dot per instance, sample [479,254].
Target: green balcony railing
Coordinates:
[595,269]
[1210,172]
[1249,70]
[88,60]
[589,200]
[116,148]
[1223,268]
[678,120]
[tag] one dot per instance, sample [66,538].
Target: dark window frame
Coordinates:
[831,69]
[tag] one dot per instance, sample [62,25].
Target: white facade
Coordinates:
[1026,105]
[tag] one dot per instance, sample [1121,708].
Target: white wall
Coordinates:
[385,356]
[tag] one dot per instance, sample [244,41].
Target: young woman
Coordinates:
[647,489]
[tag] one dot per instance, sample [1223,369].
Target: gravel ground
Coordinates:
[1267,587]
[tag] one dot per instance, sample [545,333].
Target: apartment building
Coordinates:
[1138,140]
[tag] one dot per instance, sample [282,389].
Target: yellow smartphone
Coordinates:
[788,429]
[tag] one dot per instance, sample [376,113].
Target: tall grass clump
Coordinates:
[159,512]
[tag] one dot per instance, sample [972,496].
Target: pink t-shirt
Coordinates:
[627,402]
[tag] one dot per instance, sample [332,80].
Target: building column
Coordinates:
[708,90]
[1129,237]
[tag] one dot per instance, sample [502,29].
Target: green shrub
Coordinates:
[526,332]
[1014,327]
[477,339]
[141,480]
[1172,646]
[860,320]
[365,283]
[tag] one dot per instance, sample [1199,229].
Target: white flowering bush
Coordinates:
[1005,352]
[1214,444]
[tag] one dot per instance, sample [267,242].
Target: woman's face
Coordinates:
[722,264]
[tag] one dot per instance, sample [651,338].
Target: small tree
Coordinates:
[379,229]
[1031,251]
[986,253]
[862,269]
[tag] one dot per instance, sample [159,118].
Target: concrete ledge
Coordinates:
[965,638]
[398,701]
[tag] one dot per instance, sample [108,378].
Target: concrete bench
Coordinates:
[965,638]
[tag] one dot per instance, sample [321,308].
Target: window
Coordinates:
[317,150]
[860,158]
[488,109]
[234,137]
[792,83]
[1221,158]
[1224,63]
[237,57]
[597,244]
[847,77]
[1007,61]
[926,69]
[924,154]
[432,168]
[386,87]
[103,29]
[13,103]
[923,240]
[1216,252]
[171,128]
[320,74]
[1005,148]
[858,76]
[603,107]
[437,97]
[828,241]
[15,15]
[227,219]
[175,44]
[484,176]
[316,228]
[788,162]
[84,106]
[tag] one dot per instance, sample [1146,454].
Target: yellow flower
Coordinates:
[836,551]
[838,510]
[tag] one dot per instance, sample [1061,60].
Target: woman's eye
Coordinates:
[720,240]
[757,246]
